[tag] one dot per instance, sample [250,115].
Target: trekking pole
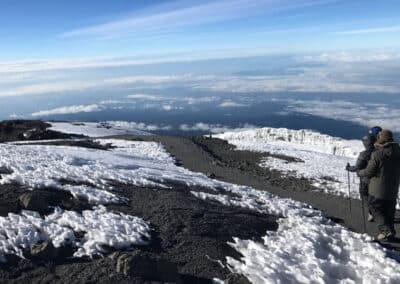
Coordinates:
[348,179]
[363,214]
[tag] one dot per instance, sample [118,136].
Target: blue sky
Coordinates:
[74,28]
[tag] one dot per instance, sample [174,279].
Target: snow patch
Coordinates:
[102,228]
[20,232]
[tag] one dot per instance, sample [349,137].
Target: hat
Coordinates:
[385,136]
[375,131]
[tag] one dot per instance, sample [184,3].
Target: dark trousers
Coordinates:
[383,212]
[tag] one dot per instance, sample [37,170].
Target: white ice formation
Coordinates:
[319,157]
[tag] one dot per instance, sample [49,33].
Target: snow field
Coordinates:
[306,248]
[136,163]
[322,158]
[22,231]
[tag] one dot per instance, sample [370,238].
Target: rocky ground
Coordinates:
[20,130]
[189,235]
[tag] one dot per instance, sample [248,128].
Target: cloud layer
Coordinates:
[367,114]
[68,110]
[343,72]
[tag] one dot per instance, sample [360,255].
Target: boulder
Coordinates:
[34,201]
[40,200]
[44,251]
[147,267]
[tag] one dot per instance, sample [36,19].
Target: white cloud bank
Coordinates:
[68,110]
[375,72]
[139,126]
[213,128]
[361,113]
[228,104]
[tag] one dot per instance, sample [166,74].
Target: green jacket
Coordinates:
[383,169]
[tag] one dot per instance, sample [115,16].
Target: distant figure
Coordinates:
[383,169]
[362,162]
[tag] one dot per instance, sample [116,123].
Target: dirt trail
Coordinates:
[217,157]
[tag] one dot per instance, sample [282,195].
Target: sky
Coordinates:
[74,28]
[71,57]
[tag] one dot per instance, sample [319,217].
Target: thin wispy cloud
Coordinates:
[187,14]
[231,104]
[390,29]
[351,57]
[68,110]
[11,67]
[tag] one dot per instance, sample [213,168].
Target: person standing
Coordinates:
[362,162]
[383,169]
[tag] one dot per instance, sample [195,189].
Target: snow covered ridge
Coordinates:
[320,158]
[22,231]
[309,140]
[97,129]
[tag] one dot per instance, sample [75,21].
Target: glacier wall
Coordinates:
[307,139]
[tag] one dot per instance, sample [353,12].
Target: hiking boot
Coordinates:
[370,218]
[384,236]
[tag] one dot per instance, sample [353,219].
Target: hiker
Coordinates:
[362,162]
[383,169]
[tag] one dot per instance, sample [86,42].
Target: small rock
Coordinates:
[237,279]
[44,251]
[211,175]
